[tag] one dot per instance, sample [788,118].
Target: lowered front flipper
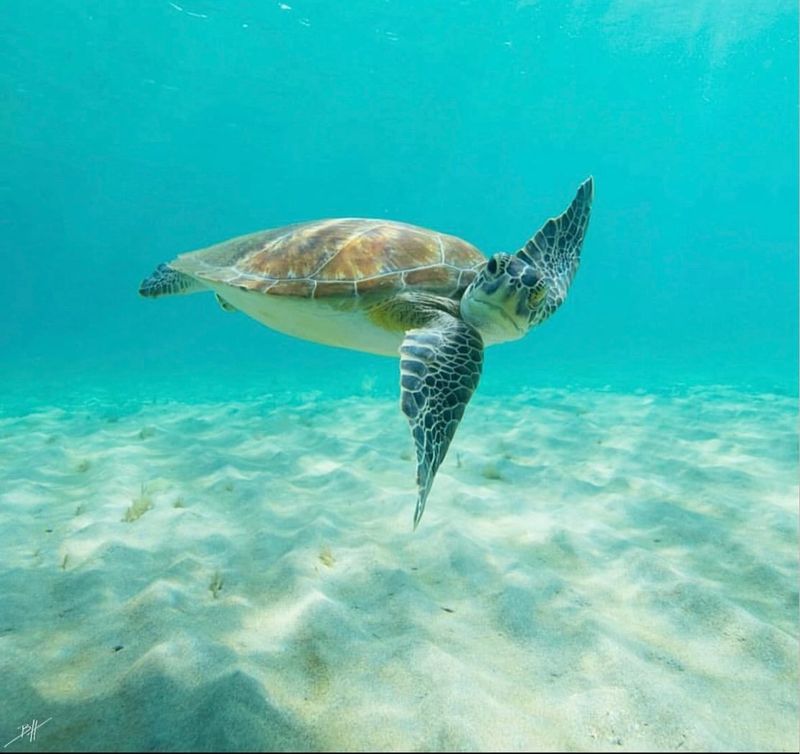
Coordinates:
[440,365]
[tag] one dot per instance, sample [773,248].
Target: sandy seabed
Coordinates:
[594,571]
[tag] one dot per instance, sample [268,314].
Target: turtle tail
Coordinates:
[165,281]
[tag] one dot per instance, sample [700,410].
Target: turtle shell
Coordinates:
[345,257]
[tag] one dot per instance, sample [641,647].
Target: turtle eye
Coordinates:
[491,266]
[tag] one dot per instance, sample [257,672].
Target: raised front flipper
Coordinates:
[555,249]
[440,365]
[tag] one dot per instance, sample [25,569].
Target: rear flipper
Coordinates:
[164,281]
[224,305]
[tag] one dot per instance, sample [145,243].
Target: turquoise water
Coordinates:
[130,133]
[207,524]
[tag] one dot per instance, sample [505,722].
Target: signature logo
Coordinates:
[29,730]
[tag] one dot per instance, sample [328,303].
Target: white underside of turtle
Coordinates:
[316,320]
[393,289]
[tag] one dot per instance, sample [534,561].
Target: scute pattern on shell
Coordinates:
[343,258]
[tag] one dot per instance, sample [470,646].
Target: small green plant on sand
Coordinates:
[139,506]
[491,471]
[326,557]
[215,587]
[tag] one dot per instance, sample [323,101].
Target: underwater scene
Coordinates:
[392,375]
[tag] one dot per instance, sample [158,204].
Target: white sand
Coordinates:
[593,571]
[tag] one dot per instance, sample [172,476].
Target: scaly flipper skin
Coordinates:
[164,281]
[440,365]
[555,249]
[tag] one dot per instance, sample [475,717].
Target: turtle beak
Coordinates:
[503,307]
[496,302]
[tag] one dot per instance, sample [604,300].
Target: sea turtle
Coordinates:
[386,287]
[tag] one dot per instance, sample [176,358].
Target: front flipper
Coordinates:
[555,250]
[440,365]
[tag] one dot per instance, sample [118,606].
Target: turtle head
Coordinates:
[513,292]
[505,299]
